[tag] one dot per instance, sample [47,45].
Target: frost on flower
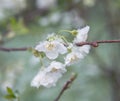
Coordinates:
[49,76]
[52,47]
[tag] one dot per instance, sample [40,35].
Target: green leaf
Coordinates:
[9,96]
[9,90]
[42,54]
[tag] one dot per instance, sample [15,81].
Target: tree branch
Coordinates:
[66,86]
[96,43]
[13,49]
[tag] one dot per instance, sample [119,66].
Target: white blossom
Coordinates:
[78,53]
[49,76]
[73,56]
[84,49]
[51,48]
[82,34]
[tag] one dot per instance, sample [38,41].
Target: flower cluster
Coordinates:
[49,76]
[52,47]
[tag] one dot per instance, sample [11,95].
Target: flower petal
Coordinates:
[84,49]
[41,46]
[57,66]
[82,34]
[49,76]
[71,58]
[61,48]
[38,78]
[52,54]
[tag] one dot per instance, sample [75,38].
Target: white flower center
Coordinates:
[73,58]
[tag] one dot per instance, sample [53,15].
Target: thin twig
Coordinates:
[96,43]
[13,49]
[66,86]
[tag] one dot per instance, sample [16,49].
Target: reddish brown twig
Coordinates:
[96,43]
[66,86]
[13,49]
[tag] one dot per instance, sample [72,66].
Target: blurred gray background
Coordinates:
[26,22]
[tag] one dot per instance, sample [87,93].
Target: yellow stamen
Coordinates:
[54,69]
[73,58]
[49,46]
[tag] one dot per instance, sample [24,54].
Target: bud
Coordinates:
[74,32]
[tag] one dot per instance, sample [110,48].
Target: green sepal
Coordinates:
[10,94]
[51,39]
[38,54]
[74,32]
[42,55]
[9,90]
[69,50]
